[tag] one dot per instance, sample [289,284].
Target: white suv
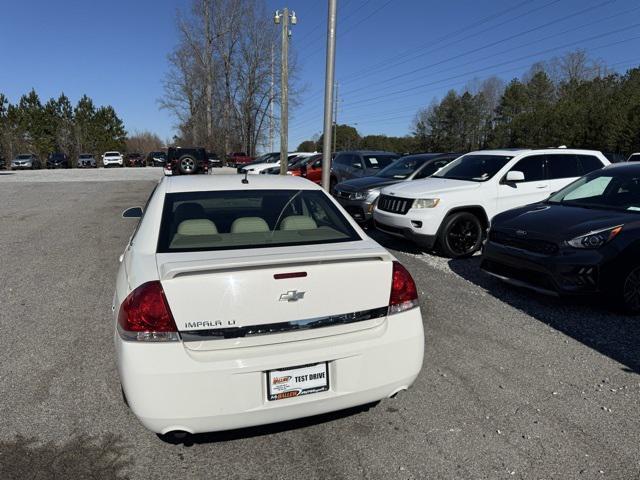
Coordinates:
[112,158]
[452,209]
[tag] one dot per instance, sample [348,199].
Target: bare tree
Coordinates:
[219,82]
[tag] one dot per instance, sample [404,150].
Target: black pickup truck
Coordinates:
[186,161]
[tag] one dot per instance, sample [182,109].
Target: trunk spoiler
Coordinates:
[169,270]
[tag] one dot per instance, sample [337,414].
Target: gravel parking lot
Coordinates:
[514,385]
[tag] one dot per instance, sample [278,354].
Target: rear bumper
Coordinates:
[172,388]
[572,272]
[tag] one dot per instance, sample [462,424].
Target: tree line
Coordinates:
[571,100]
[219,84]
[30,126]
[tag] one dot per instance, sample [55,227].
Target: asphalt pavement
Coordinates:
[514,385]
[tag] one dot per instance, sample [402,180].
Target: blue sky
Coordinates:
[393,56]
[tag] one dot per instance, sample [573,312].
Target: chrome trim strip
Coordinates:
[282,327]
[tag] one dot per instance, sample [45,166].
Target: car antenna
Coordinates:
[244,180]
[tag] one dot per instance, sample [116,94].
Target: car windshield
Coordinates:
[85,155]
[112,154]
[473,168]
[225,220]
[378,161]
[403,167]
[607,189]
[23,157]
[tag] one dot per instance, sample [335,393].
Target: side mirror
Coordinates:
[133,212]
[357,165]
[514,176]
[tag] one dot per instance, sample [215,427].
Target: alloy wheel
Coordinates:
[187,165]
[463,236]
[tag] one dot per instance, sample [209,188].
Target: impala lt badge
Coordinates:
[521,233]
[292,296]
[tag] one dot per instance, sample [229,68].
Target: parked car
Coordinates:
[3,163]
[241,304]
[214,161]
[238,159]
[452,209]
[272,157]
[358,196]
[111,159]
[273,165]
[309,168]
[156,159]
[24,161]
[186,161]
[86,160]
[583,240]
[348,165]
[58,160]
[135,159]
[634,157]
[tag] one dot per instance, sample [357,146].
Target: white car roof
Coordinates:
[519,151]
[199,183]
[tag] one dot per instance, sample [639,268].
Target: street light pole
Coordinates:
[284,18]
[328,93]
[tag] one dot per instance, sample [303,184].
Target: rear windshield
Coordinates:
[202,221]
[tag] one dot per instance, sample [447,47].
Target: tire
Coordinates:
[629,292]
[460,235]
[187,165]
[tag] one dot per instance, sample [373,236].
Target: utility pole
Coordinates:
[284,19]
[328,93]
[272,99]
[335,121]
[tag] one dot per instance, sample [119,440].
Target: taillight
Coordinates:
[404,294]
[145,315]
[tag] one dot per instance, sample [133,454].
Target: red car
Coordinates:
[238,159]
[309,168]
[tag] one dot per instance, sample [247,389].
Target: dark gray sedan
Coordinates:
[359,195]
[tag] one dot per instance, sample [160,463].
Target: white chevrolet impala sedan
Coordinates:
[239,304]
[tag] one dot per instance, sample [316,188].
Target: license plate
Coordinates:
[297,381]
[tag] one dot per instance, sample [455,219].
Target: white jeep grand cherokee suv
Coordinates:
[110,159]
[452,208]
[240,304]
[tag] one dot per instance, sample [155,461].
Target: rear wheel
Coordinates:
[460,235]
[187,164]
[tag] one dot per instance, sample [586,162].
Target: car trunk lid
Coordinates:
[269,293]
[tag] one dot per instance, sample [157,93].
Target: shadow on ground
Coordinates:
[263,430]
[588,320]
[7,173]
[80,457]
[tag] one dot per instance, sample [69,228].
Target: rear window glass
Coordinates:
[563,166]
[589,163]
[226,220]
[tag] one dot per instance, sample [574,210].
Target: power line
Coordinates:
[384,98]
[368,119]
[548,37]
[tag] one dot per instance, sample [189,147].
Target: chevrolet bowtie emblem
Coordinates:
[292,296]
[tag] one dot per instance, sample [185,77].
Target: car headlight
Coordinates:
[359,195]
[595,239]
[425,202]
